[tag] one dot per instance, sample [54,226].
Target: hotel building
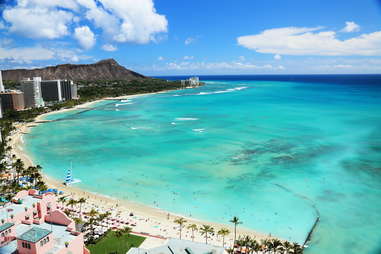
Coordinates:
[58,90]
[32,224]
[12,100]
[32,92]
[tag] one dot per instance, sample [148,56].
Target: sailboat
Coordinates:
[69,177]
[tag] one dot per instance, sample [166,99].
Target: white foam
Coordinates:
[186,119]
[198,130]
[139,128]
[128,103]
[224,91]
[173,123]
[127,100]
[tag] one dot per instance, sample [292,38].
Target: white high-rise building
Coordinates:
[32,92]
[1,83]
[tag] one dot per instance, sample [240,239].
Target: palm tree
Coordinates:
[19,167]
[287,247]
[276,244]
[72,203]
[181,222]
[194,228]
[235,221]
[80,202]
[265,244]
[223,232]
[297,249]
[92,214]
[254,246]
[62,200]
[205,230]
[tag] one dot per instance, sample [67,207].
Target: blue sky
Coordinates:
[167,37]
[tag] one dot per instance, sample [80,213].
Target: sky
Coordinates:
[195,37]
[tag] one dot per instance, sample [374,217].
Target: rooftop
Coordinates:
[34,234]
[177,246]
[11,208]
[5,226]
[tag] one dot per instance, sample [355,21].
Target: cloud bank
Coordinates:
[312,41]
[119,21]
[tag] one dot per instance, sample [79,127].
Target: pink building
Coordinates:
[32,224]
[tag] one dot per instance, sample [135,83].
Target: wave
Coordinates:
[139,128]
[198,130]
[224,91]
[128,103]
[186,119]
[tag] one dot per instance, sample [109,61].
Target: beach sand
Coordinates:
[150,220]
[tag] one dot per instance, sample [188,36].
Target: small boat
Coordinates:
[69,177]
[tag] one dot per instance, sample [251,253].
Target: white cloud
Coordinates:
[218,66]
[127,21]
[160,58]
[342,66]
[242,58]
[189,40]
[311,41]
[121,21]
[36,21]
[68,4]
[5,42]
[85,37]
[25,54]
[350,27]
[188,57]
[2,26]
[38,53]
[277,57]
[109,47]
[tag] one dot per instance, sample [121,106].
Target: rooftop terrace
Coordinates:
[34,234]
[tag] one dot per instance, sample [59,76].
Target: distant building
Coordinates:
[58,90]
[32,92]
[191,82]
[2,89]
[12,100]
[1,110]
[177,246]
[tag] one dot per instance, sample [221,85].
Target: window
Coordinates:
[23,244]
[41,243]
[28,245]
[2,234]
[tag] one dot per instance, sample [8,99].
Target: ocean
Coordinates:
[276,151]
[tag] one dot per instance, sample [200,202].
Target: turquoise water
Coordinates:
[269,152]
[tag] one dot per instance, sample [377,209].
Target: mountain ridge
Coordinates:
[106,69]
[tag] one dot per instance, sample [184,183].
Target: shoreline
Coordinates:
[154,221]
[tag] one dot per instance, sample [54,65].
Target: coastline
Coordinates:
[151,220]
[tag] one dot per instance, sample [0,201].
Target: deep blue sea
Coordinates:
[275,151]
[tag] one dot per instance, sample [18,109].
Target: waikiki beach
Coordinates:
[190,127]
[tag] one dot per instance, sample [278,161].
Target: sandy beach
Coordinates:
[153,221]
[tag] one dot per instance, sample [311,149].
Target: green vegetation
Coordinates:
[115,242]
[101,89]
[247,244]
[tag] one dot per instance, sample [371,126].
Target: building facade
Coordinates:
[2,89]
[58,90]
[177,246]
[12,100]
[32,224]
[32,93]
